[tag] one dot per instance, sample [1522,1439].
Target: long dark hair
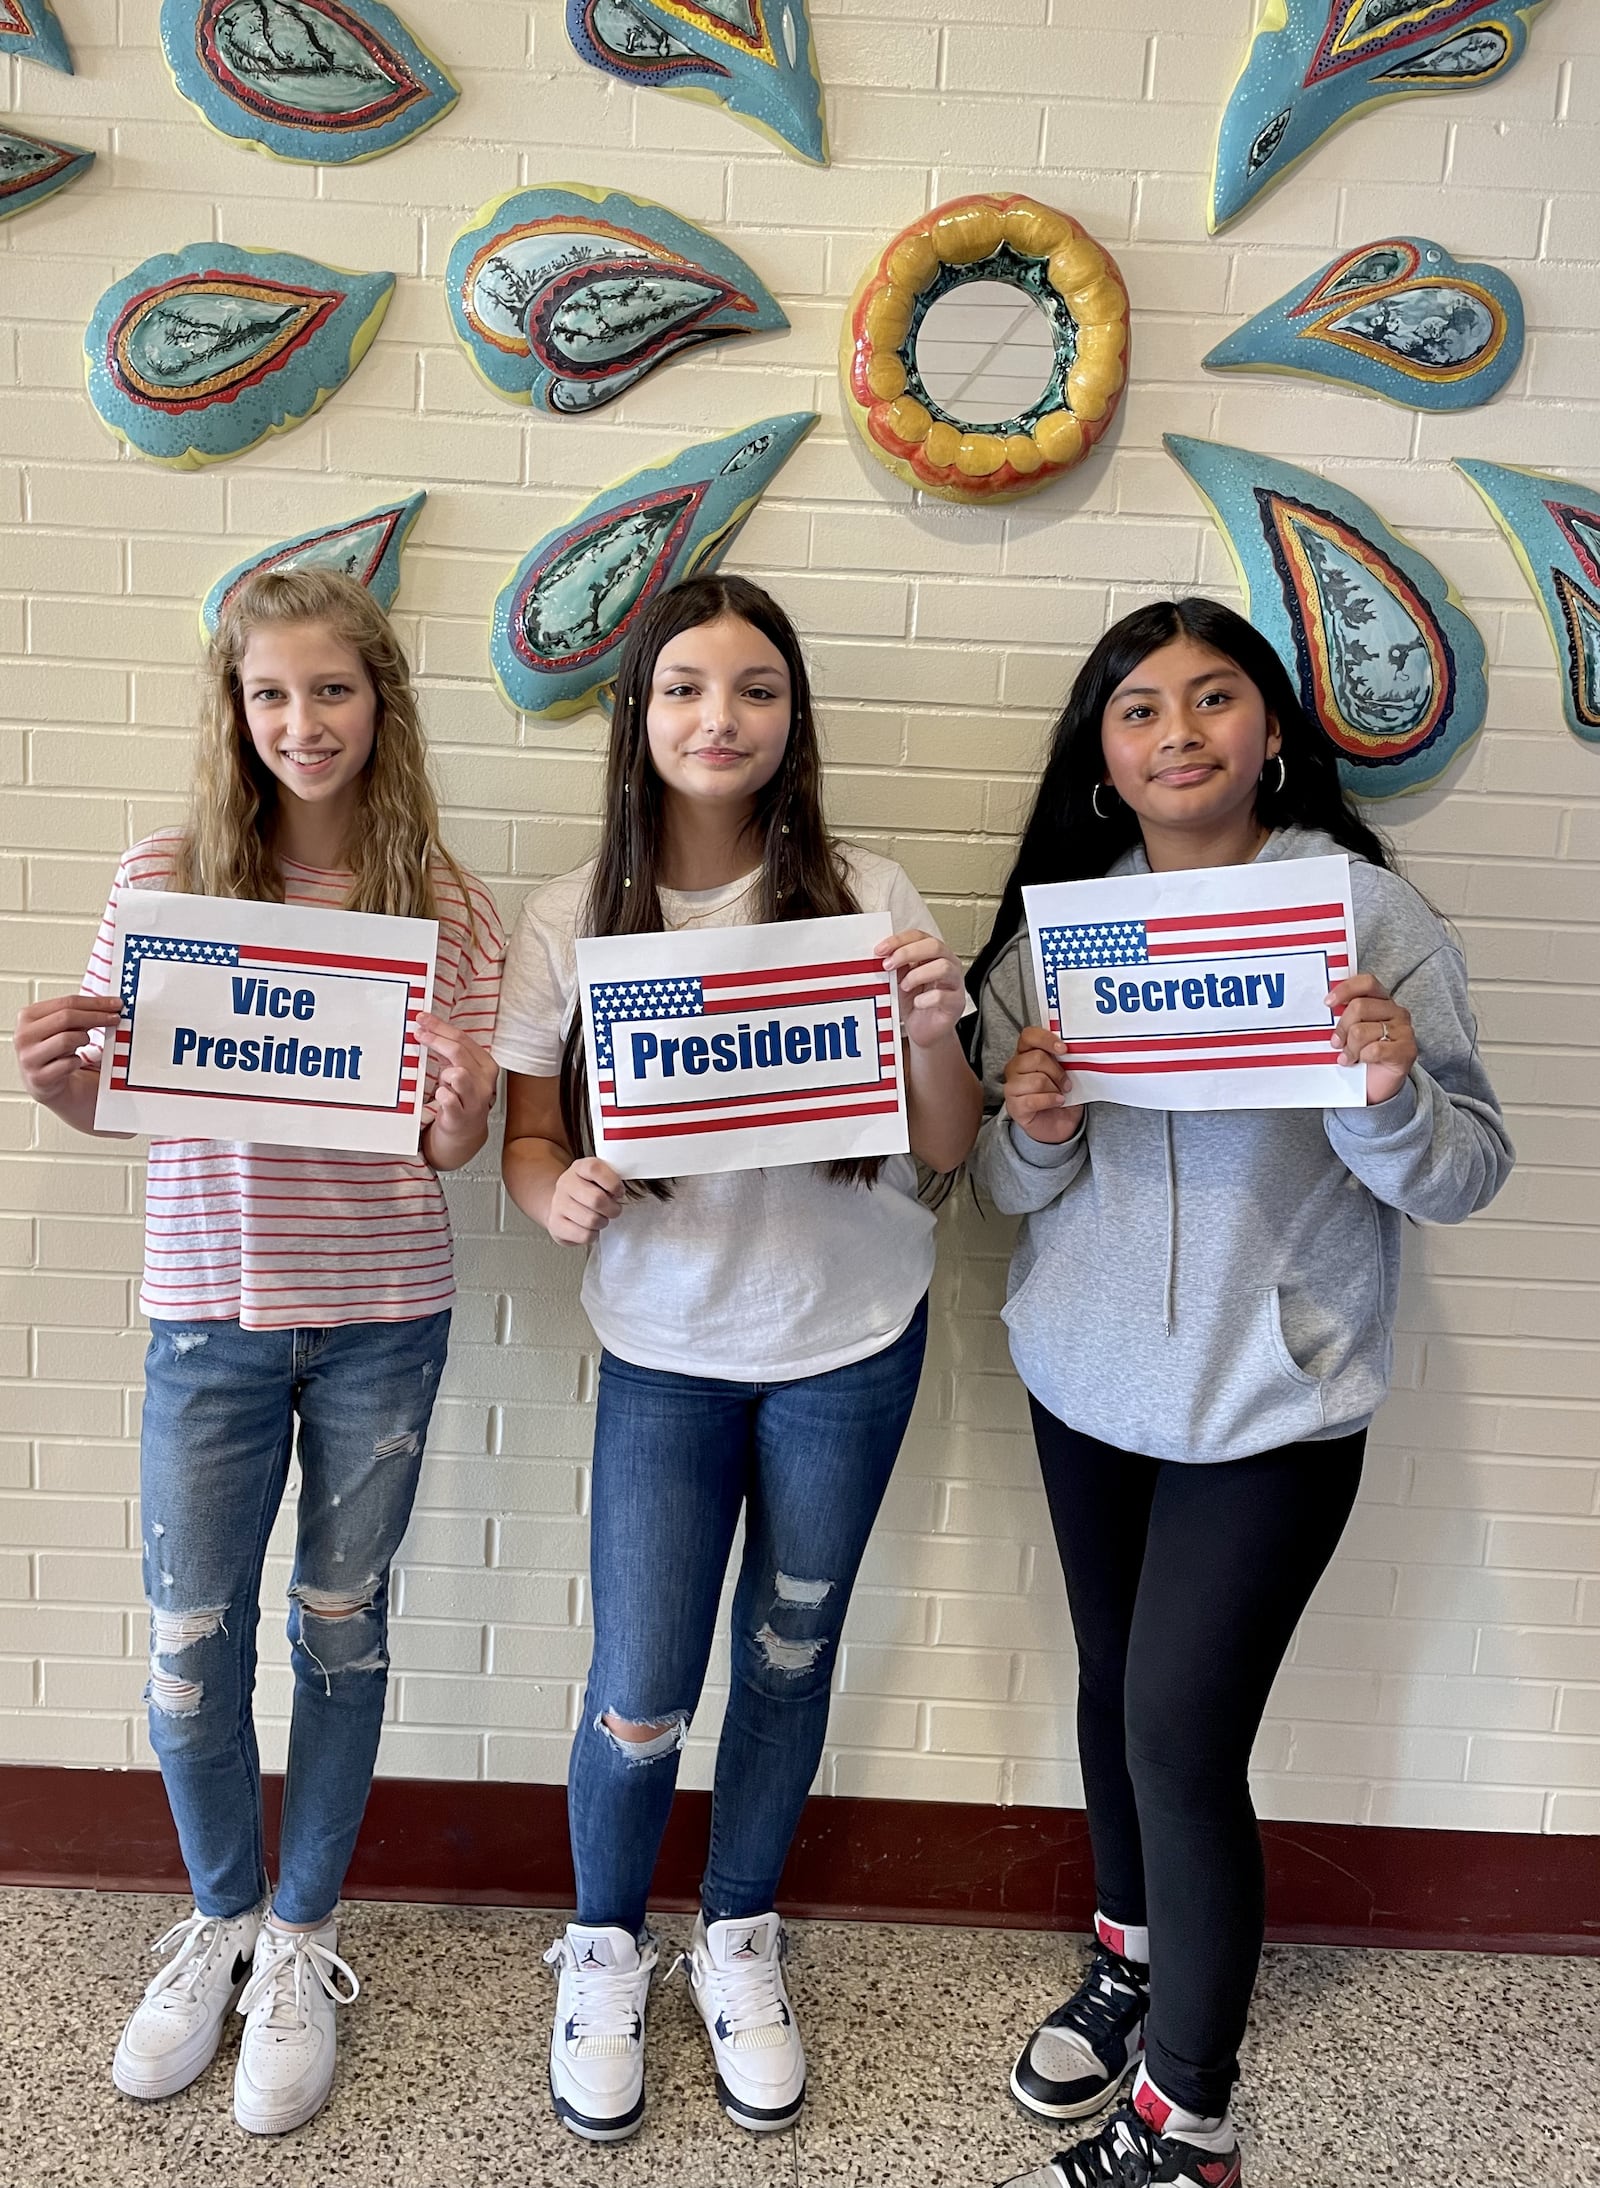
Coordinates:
[803,873]
[1065,838]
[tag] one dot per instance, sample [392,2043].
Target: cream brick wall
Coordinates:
[1449,1672]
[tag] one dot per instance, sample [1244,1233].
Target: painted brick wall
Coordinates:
[1449,1672]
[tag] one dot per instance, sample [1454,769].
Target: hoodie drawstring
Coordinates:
[1172,1223]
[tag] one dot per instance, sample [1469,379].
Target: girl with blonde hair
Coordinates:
[297,1298]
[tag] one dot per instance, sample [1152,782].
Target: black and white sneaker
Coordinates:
[172,2035]
[735,1972]
[1079,2056]
[597,2039]
[1129,2152]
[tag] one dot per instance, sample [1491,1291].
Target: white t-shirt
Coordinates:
[751,1276]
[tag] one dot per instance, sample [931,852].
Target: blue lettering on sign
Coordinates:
[1225,991]
[746,1048]
[277,1059]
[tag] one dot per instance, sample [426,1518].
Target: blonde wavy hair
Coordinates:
[395,852]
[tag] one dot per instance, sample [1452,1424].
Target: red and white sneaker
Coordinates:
[1148,2143]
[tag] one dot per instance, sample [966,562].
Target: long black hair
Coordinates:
[1066,839]
[803,873]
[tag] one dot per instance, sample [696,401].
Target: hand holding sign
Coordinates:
[587,1195]
[463,1092]
[54,1061]
[1374,1030]
[933,989]
[1039,1097]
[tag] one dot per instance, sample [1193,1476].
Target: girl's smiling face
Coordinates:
[718,714]
[311,711]
[1185,738]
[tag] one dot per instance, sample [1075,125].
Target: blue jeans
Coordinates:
[676,1457]
[219,1424]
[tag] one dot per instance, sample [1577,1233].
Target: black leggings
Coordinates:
[1186,1584]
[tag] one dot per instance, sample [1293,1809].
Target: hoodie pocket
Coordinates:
[1273,1308]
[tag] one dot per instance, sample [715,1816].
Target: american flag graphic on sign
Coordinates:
[734,1004]
[140,950]
[1204,959]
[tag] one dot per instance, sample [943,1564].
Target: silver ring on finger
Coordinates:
[1385,1035]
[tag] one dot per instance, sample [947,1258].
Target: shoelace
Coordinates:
[1124,2154]
[296,1962]
[605,2019]
[189,1943]
[749,1999]
[1099,2008]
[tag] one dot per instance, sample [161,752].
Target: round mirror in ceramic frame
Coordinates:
[1050,260]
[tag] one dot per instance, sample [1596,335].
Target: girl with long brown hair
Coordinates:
[296,1298]
[763,1334]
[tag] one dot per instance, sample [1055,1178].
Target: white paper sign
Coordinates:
[271,1022]
[1204,989]
[742,1048]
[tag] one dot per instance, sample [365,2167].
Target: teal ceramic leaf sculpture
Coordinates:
[563,617]
[563,296]
[200,353]
[1401,319]
[1554,529]
[755,57]
[33,169]
[30,28]
[368,549]
[323,80]
[1314,64]
[1383,654]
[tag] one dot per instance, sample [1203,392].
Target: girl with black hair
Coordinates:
[763,1335]
[1201,1307]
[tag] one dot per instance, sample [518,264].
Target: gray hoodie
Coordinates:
[1203,1285]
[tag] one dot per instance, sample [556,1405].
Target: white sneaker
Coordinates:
[597,2037]
[286,2058]
[735,1972]
[172,2036]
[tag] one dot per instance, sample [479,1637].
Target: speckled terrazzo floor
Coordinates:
[1425,2069]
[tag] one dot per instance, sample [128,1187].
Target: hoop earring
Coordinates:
[1094,801]
[1283,777]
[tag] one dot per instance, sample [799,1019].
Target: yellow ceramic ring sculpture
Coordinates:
[1046,255]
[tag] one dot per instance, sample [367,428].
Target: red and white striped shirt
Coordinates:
[296,1237]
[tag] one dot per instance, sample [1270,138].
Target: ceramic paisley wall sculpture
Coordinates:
[564,296]
[1049,260]
[1314,64]
[1400,318]
[563,616]
[29,27]
[197,355]
[1554,529]
[33,169]
[323,80]
[1383,653]
[368,549]
[755,57]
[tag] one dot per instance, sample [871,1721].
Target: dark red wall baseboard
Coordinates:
[894,1861]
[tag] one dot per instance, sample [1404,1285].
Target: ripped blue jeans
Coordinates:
[220,1410]
[676,1460]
